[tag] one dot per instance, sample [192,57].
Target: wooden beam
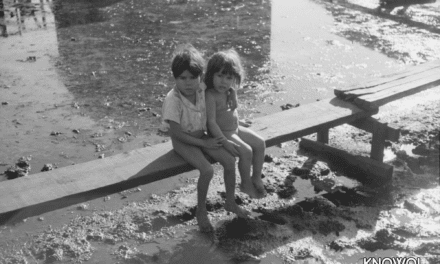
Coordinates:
[373,101]
[307,119]
[151,164]
[391,78]
[395,83]
[158,162]
[361,168]
[369,123]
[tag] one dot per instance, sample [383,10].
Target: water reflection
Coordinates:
[15,13]
[115,54]
[80,12]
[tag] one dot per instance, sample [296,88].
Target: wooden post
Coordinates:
[18,15]
[322,135]
[378,142]
[368,124]
[43,13]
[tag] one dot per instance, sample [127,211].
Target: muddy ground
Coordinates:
[297,223]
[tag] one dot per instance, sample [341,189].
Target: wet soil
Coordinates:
[319,215]
[89,82]
[309,225]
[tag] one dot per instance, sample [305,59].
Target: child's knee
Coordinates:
[228,163]
[246,152]
[207,172]
[261,146]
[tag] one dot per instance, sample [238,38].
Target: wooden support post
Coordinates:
[378,142]
[369,123]
[381,132]
[18,15]
[322,135]
[363,169]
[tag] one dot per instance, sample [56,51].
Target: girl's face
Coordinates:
[223,82]
[187,83]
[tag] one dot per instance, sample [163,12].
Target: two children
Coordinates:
[184,110]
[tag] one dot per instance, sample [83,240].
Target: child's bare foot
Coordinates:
[259,187]
[203,222]
[249,189]
[234,208]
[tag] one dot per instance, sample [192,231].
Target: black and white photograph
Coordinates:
[116,147]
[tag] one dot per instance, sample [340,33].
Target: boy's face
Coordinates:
[187,83]
[223,82]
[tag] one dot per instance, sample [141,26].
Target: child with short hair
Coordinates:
[225,72]
[184,111]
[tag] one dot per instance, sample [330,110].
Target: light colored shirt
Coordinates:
[180,110]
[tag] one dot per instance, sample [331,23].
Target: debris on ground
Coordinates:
[21,168]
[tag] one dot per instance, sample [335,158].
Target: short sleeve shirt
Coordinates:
[180,110]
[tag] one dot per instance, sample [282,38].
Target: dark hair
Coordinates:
[228,62]
[186,57]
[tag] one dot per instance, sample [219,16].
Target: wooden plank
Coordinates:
[378,141]
[42,187]
[159,161]
[431,79]
[368,124]
[378,99]
[308,119]
[399,82]
[410,71]
[361,168]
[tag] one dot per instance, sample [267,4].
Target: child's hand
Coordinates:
[231,147]
[213,143]
[247,123]
[232,99]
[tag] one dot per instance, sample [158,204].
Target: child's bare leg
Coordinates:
[230,204]
[194,156]
[205,177]
[244,165]
[258,146]
[228,162]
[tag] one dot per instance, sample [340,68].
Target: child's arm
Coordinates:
[232,99]
[244,124]
[177,133]
[233,104]
[213,128]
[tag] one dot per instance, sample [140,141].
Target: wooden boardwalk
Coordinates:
[392,87]
[50,190]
